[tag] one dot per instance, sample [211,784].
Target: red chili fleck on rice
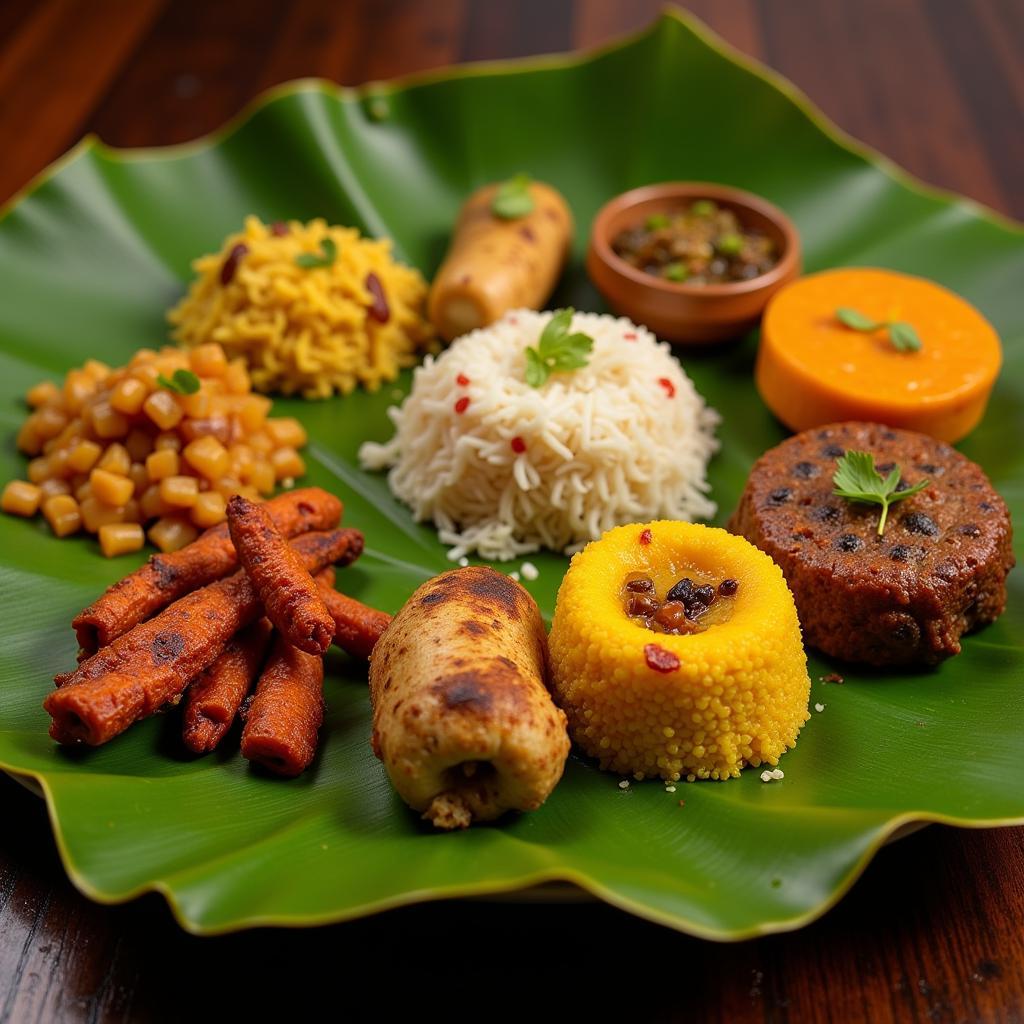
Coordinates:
[462,380]
[659,659]
[461,405]
[630,336]
[670,388]
[518,445]
[645,537]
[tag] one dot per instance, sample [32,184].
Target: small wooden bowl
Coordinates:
[694,313]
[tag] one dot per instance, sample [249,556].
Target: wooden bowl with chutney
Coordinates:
[693,261]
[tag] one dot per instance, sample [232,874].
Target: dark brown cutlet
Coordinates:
[903,598]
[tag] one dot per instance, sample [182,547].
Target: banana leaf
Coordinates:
[99,247]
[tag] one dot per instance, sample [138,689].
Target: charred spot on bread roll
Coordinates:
[462,717]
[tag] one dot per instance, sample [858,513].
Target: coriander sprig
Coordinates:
[513,199]
[557,350]
[857,479]
[325,258]
[903,336]
[183,382]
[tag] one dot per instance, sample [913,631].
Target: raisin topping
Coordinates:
[780,495]
[681,591]
[671,617]
[970,530]
[833,451]
[900,552]
[642,606]
[728,587]
[378,309]
[849,542]
[229,267]
[640,585]
[805,470]
[828,514]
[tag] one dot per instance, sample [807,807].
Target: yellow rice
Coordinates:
[306,330]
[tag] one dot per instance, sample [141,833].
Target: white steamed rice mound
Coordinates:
[625,439]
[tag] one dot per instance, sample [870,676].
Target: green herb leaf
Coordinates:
[557,350]
[183,382]
[703,208]
[325,258]
[536,371]
[857,320]
[656,221]
[857,479]
[903,337]
[677,272]
[513,199]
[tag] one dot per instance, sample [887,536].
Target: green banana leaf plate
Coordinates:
[100,247]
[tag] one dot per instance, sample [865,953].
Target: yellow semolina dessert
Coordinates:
[676,652]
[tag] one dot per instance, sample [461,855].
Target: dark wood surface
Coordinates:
[934,931]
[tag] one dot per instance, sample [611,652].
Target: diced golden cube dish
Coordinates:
[676,650]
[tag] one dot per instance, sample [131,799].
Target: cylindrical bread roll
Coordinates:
[496,264]
[462,717]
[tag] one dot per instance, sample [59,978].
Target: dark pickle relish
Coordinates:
[685,607]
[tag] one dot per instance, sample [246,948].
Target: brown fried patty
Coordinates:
[906,597]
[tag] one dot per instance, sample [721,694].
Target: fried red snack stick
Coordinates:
[286,712]
[154,662]
[165,578]
[343,546]
[290,598]
[357,627]
[215,695]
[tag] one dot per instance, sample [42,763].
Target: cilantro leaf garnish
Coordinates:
[513,199]
[903,336]
[857,479]
[325,258]
[557,350]
[183,382]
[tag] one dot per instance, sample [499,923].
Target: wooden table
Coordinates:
[934,931]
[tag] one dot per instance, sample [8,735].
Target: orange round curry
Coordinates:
[813,369]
